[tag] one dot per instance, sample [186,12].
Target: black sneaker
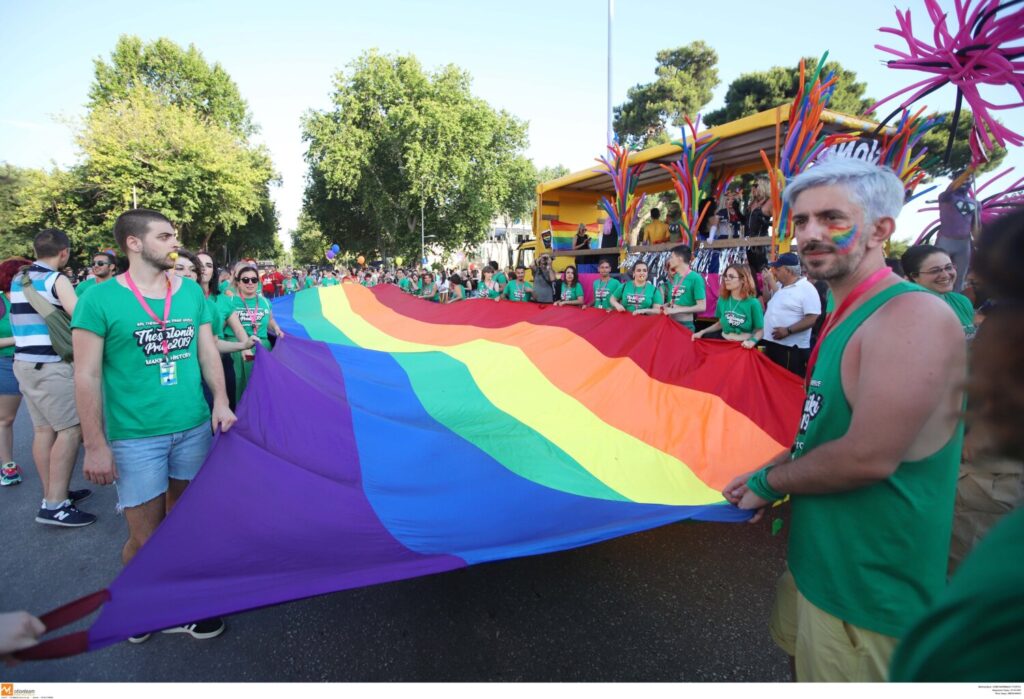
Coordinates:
[140,638]
[77,496]
[66,516]
[207,628]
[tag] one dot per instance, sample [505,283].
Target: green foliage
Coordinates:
[685,79]
[174,76]
[960,157]
[309,244]
[758,91]
[551,172]
[199,174]
[518,190]
[397,139]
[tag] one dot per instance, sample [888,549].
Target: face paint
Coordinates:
[844,238]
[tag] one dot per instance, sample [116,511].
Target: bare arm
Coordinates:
[701,333]
[213,374]
[891,355]
[698,307]
[98,465]
[65,293]
[272,324]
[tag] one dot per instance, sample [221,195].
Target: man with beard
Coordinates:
[873,468]
[104,267]
[141,343]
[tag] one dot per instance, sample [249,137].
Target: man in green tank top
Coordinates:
[873,468]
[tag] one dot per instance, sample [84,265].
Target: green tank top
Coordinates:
[874,557]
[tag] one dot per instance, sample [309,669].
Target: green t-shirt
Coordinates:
[740,316]
[5,326]
[501,278]
[975,630]
[518,291]
[309,283]
[603,292]
[637,298]
[85,286]
[483,292]
[571,293]
[224,286]
[218,319]
[964,310]
[291,286]
[254,314]
[685,290]
[136,403]
[329,281]
[404,284]
[875,556]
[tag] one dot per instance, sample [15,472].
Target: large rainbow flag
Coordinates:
[387,437]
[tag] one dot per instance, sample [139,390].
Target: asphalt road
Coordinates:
[684,603]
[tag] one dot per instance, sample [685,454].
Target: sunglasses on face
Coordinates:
[100,263]
[248,280]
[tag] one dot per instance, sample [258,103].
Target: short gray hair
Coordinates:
[877,190]
[795,270]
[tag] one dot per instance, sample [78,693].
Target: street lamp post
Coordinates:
[423,238]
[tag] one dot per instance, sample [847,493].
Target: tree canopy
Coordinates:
[758,91]
[399,140]
[686,77]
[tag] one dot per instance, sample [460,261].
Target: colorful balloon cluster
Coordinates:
[625,178]
[690,177]
[984,49]
[333,251]
[804,142]
[897,150]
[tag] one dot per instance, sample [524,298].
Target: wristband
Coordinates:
[758,484]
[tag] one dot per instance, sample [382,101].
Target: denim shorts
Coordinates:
[145,465]
[8,382]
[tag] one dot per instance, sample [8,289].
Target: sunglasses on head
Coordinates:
[248,280]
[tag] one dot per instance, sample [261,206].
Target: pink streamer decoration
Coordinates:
[978,53]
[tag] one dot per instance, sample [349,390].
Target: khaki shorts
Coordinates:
[988,488]
[49,392]
[825,648]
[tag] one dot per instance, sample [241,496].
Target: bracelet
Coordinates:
[758,484]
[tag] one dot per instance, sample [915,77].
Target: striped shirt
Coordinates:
[31,336]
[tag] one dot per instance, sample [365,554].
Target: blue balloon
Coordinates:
[335,248]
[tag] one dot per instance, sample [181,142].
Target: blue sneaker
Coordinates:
[10,474]
[67,515]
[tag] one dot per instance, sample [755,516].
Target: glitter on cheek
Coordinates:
[844,238]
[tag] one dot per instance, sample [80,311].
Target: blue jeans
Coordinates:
[145,465]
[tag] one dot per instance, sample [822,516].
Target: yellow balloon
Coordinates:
[398,261]
[360,259]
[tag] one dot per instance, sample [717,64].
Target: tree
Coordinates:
[960,157]
[685,79]
[175,76]
[167,157]
[399,141]
[309,244]
[519,192]
[551,172]
[755,92]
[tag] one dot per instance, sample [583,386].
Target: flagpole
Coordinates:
[611,19]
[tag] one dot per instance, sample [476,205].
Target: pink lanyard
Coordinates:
[832,319]
[251,314]
[149,311]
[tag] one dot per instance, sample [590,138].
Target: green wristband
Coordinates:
[758,483]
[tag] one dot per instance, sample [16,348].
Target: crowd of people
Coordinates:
[878,462]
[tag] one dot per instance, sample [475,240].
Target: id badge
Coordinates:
[168,374]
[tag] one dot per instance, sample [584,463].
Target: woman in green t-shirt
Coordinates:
[739,312]
[570,291]
[429,291]
[932,268]
[488,288]
[637,295]
[255,317]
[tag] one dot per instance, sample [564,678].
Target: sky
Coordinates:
[544,61]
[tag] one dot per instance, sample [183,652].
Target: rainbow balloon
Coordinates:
[625,178]
[389,437]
